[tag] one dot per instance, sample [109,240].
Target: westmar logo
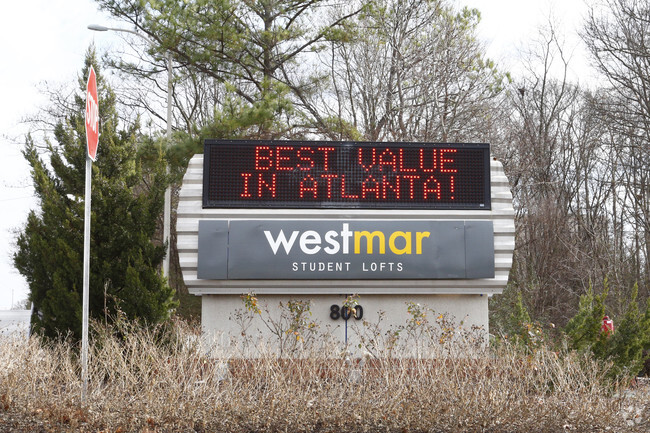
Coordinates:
[352,249]
[365,244]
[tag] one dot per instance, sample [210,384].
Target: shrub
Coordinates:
[160,380]
[625,346]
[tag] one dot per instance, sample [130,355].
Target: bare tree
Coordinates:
[415,72]
[617,34]
[556,163]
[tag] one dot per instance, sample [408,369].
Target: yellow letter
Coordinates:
[418,239]
[369,237]
[407,247]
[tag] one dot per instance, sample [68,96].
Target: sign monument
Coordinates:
[392,222]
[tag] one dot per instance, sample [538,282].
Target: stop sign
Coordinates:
[92,115]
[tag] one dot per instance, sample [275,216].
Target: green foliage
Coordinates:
[510,320]
[524,331]
[252,47]
[128,184]
[237,119]
[583,330]
[520,315]
[631,337]
[625,347]
[342,129]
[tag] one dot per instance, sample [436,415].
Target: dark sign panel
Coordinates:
[345,249]
[322,174]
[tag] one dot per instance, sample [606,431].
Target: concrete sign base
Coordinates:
[411,326]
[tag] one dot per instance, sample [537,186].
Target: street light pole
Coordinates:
[168,194]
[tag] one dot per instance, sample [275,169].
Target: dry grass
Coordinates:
[153,381]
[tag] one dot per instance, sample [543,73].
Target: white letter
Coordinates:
[335,246]
[281,240]
[310,237]
[346,234]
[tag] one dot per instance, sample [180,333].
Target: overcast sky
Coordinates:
[44,41]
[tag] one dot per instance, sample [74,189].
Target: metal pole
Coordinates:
[86,284]
[168,191]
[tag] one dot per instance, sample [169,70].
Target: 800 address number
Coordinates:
[346,313]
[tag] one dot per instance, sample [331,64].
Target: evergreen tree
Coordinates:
[260,51]
[630,339]
[128,184]
[626,347]
[583,329]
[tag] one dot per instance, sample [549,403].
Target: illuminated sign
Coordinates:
[323,174]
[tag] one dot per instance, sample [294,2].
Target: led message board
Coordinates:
[323,174]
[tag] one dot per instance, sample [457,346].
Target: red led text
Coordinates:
[367,173]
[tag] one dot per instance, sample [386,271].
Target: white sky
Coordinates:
[45,41]
[42,41]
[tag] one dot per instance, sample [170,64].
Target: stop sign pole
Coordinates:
[92,139]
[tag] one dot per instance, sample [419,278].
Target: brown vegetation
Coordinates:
[154,381]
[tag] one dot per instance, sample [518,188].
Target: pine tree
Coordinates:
[128,183]
[626,348]
[583,329]
[260,51]
[630,339]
